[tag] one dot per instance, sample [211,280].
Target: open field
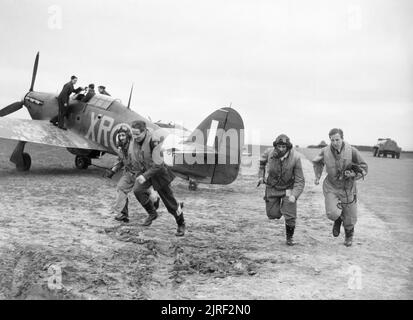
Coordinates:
[57,216]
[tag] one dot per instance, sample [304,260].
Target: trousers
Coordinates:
[166,195]
[348,200]
[278,206]
[125,185]
[62,113]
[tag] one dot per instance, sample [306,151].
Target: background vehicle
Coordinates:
[386,146]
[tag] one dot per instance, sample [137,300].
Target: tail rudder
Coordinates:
[222,131]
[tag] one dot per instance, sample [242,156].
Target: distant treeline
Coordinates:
[248,148]
[364,148]
[360,148]
[318,146]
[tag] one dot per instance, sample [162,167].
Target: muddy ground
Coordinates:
[56,217]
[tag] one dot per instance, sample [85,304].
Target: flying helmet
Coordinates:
[126,130]
[283,139]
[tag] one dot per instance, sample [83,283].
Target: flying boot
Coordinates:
[180,221]
[337,226]
[289,231]
[348,241]
[124,214]
[152,214]
[156,203]
[122,217]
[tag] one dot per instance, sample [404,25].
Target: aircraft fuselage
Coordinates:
[97,120]
[100,118]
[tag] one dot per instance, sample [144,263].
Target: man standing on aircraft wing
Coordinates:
[131,169]
[147,149]
[63,100]
[284,183]
[344,166]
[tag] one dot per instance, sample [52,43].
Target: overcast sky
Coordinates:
[295,67]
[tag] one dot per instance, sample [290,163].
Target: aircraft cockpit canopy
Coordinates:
[101,101]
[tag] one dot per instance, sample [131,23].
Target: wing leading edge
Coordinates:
[43,132]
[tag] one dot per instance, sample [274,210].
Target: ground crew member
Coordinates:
[148,149]
[63,100]
[280,169]
[90,93]
[344,166]
[131,169]
[102,90]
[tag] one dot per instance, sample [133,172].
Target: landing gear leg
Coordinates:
[21,159]
[193,185]
[82,162]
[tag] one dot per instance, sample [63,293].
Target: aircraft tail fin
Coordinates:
[223,132]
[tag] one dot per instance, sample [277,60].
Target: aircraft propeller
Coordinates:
[11,108]
[36,63]
[19,104]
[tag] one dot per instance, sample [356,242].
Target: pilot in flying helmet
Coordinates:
[282,145]
[123,136]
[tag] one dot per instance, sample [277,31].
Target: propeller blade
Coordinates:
[130,96]
[36,63]
[11,108]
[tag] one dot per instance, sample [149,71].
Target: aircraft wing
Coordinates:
[43,132]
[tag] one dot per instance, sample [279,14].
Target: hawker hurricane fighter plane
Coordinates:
[209,154]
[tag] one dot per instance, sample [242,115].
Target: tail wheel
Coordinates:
[25,164]
[193,185]
[82,162]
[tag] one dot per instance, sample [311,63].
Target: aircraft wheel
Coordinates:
[192,185]
[82,162]
[26,163]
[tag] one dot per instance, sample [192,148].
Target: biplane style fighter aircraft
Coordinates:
[92,128]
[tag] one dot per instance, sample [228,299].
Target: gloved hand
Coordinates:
[260,181]
[141,179]
[108,174]
[292,198]
[153,195]
[349,174]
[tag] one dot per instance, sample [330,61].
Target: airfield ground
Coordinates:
[56,216]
